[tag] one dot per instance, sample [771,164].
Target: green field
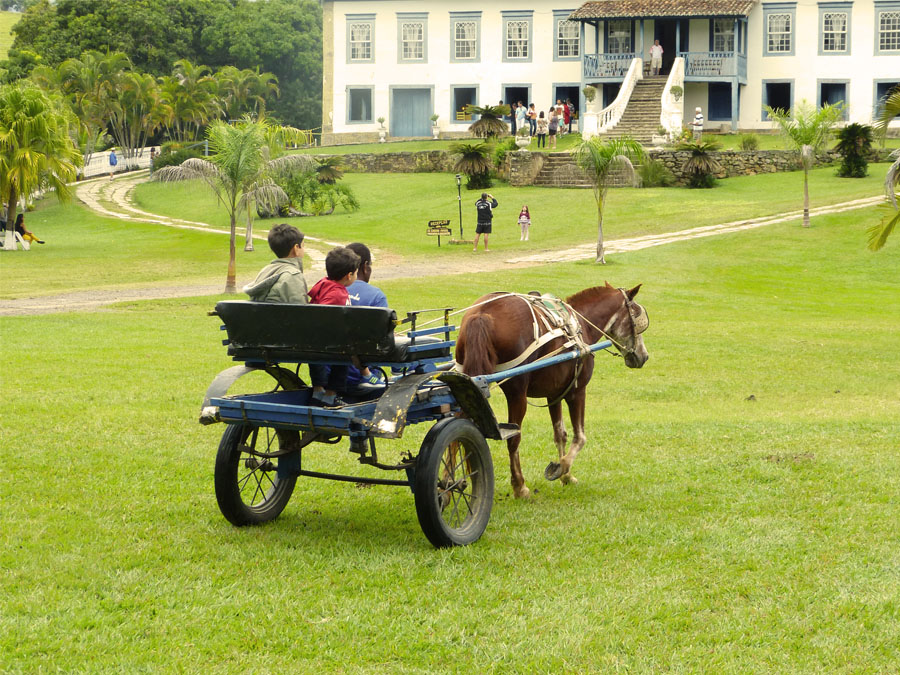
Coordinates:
[7,21]
[737,507]
[395,218]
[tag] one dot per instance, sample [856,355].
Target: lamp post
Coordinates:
[459,200]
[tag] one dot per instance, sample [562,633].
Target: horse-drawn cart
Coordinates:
[260,455]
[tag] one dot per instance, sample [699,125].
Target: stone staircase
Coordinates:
[640,120]
[559,170]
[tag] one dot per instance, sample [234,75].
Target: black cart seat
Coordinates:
[284,333]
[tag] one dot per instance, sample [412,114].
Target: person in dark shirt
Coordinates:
[485,210]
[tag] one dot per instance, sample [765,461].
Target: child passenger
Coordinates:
[524,222]
[282,279]
[341,265]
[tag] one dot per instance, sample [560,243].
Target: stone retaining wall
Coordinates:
[427,161]
[524,166]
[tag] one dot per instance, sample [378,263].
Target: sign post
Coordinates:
[459,199]
[436,228]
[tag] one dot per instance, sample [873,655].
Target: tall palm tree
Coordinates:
[879,233]
[601,160]
[35,148]
[806,130]
[135,111]
[239,172]
[489,123]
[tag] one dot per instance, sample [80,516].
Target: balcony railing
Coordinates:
[705,65]
[606,66]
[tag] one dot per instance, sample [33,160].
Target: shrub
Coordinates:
[748,142]
[701,167]
[506,145]
[175,157]
[854,145]
[654,173]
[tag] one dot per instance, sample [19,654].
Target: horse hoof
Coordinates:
[553,471]
[569,479]
[524,493]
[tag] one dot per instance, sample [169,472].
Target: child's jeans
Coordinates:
[330,378]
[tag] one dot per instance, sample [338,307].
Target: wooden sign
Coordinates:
[436,228]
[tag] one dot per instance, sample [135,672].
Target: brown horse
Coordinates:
[500,327]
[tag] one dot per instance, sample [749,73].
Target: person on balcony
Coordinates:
[656,52]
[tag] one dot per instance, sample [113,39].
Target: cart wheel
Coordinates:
[248,488]
[454,483]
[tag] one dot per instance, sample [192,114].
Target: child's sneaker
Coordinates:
[373,378]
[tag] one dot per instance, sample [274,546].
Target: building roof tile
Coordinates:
[613,9]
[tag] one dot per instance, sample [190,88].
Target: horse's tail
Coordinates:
[481,355]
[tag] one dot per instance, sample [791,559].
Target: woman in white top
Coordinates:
[542,125]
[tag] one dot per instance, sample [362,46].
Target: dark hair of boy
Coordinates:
[365,255]
[283,238]
[340,262]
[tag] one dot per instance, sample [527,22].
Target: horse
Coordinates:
[500,328]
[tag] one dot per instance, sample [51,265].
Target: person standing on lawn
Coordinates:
[485,210]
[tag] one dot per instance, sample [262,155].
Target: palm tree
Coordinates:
[36,150]
[239,173]
[489,123]
[700,167]
[473,160]
[879,233]
[329,170]
[806,129]
[854,144]
[600,160]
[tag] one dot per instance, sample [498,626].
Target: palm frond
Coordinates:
[289,163]
[189,169]
[879,232]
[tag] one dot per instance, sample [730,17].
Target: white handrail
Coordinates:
[672,116]
[600,122]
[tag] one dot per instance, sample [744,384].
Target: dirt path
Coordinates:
[114,199]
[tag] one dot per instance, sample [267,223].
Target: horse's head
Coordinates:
[628,324]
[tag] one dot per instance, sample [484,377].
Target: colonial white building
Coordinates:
[405,61]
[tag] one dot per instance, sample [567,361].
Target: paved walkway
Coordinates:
[114,199]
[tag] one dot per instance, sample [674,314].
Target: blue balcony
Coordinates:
[606,67]
[714,66]
[698,66]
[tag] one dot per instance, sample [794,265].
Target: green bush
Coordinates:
[654,173]
[175,158]
[748,142]
[508,144]
[854,145]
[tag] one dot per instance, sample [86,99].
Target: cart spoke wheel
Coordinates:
[454,483]
[248,488]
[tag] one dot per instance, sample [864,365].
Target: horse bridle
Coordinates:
[640,320]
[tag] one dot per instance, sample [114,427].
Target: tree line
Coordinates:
[278,37]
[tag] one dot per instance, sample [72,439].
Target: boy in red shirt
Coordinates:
[341,265]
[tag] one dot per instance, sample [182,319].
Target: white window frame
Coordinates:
[571,44]
[358,21]
[726,35]
[782,11]
[887,27]
[413,50]
[615,39]
[518,48]
[371,90]
[467,18]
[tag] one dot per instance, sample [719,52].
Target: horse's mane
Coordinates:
[588,295]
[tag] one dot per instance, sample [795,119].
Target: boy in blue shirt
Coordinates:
[364,294]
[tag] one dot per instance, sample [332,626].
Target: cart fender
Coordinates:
[473,399]
[209,414]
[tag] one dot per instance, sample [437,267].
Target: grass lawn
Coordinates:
[7,21]
[396,208]
[708,533]
[77,238]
